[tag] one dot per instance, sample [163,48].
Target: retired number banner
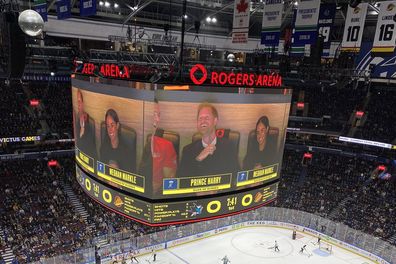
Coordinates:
[354,26]
[272,20]
[385,37]
[325,25]
[240,28]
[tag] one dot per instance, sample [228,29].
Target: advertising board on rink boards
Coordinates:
[169,144]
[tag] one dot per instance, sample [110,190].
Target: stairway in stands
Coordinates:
[8,256]
[78,207]
[392,239]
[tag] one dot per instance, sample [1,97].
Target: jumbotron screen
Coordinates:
[159,145]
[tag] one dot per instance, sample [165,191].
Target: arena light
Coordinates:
[214,20]
[300,105]
[116,5]
[208,19]
[359,114]
[101,3]
[177,87]
[107,4]
[34,102]
[52,163]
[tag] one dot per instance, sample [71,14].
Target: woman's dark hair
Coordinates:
[113,114]
[263,120]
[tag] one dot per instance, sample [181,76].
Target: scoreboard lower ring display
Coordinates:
[163,213]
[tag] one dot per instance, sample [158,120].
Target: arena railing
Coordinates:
[124,242]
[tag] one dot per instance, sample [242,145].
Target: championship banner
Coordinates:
[87,7]
[240,28]
[63,9]
[306,25]
[385,37]
[272,20]
[40,6]
[354,26]
[325,24]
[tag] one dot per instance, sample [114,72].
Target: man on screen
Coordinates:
[84,133]
[159,157]
[211,155]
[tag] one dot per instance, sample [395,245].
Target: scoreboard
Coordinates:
[162,157]
[175,211]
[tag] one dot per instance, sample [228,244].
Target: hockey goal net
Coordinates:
[324,246]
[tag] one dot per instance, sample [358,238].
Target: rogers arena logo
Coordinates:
[203,71]
[242,79]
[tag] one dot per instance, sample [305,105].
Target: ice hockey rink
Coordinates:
[254,245]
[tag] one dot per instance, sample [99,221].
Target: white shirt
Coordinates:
[211,143]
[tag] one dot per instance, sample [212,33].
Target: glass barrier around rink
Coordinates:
[126,241]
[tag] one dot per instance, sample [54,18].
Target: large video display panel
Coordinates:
[175,211]
[170,144]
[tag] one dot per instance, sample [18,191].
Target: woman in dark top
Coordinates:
[261,152]
[113,150]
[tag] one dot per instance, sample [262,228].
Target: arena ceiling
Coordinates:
[168,14]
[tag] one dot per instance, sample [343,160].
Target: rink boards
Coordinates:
[252,226]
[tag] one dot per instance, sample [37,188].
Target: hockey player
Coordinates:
[303,248]
[225,260]
[132,255]
[276,248]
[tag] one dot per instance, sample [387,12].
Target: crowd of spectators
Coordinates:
[14,113]
[380,124]
[56,100]
[320,186]
[40,224]
[36,216]
[333,104]
[372,209]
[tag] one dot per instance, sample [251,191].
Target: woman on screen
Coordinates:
[113,150]
[260,152]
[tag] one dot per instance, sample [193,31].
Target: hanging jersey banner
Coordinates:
[354,26]
[240,28]
[385,35]
[63,9]
[40,6]
[87,7]
[272,20]
[306,22]
[325,24]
